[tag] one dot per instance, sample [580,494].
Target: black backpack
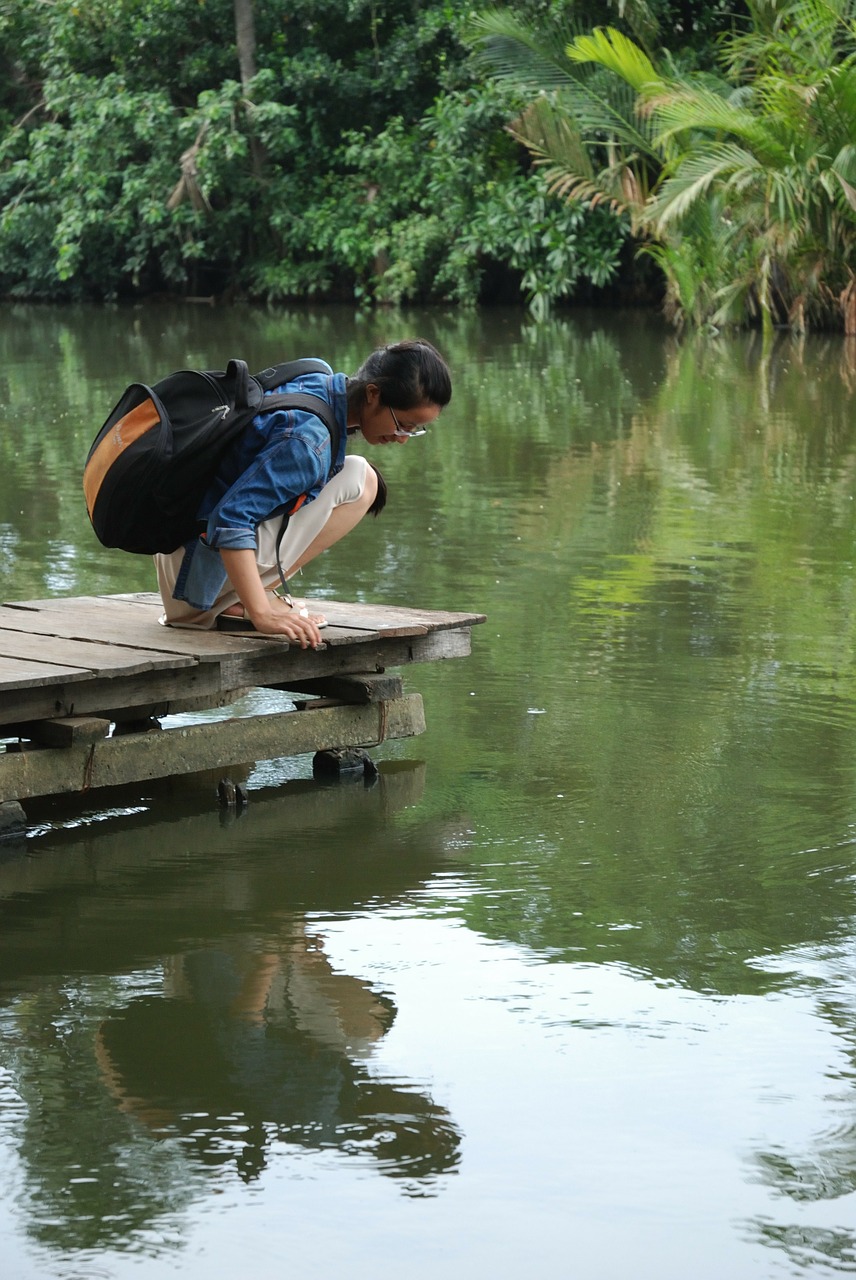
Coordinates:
[155,457]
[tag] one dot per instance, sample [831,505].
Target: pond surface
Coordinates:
[571,989]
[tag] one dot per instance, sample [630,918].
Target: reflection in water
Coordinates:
[654,745]
[810,1247]
[823,1172]
[198,1022]
[259,1045]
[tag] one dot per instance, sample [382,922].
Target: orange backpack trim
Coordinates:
[116,441]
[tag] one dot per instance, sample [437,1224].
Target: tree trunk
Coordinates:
[847,300]
[245,39]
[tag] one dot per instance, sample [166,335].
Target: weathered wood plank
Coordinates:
[349,615]
[390,619]
[98,696]
[350,619]
[212,745]
[385,614]
[356,688]
[118,623]
[87,655]
[252,664]
[133,625]
[275,664]
[70,731]
[22,673]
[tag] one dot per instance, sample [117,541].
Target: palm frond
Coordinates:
[677,110]
[552,135]
[612,49]
[600,121]
[567,186]
[514,51]
[836,102]
[641,20]
[556,144]
[815,25]
[848,190]
[721,164]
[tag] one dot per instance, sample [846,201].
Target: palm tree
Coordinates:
[580,124]
[741,185]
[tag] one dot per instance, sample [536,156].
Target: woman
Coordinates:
[227,576]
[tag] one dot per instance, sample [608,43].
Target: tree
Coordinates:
[742,185]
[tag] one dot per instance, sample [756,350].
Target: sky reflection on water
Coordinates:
[572,987]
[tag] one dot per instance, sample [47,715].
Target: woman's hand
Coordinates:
[269,615]
[281,619]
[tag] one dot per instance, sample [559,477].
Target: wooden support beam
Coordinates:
[216,744]
[353,689]
[70,731]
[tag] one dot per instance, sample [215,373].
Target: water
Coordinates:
[572,986]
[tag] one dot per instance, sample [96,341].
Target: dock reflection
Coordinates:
[169,1015]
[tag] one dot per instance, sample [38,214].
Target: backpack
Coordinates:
[155,457]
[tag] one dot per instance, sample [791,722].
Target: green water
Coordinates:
[571,989]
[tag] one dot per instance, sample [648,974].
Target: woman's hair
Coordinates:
[381,495]
[407,374]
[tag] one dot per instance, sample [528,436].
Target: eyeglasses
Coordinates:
[406,433]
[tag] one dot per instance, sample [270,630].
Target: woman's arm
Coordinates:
[270,615]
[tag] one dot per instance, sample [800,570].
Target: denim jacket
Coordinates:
[277,458]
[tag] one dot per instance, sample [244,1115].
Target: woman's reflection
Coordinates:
[258,1042]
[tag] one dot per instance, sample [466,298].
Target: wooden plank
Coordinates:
[275,664]
[89,655]
[356,688]
[348,619]
[390,619]
[95,696]
[124,625]
[212,745]
[353,613]
[130,597]
[246,665]
[130,625]
[69,731]
[22,673]
[349,615]
[179,706]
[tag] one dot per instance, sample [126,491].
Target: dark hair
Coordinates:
[381,496]
[407,374]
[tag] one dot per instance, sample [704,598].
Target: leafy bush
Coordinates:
[367,159]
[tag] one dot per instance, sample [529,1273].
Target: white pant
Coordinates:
[303,527]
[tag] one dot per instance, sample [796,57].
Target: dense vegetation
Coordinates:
[360,150]
[738,179]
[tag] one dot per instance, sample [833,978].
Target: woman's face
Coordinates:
[381,424]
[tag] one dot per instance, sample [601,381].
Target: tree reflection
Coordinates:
[807,1247]
[200,1030]
[825,1172]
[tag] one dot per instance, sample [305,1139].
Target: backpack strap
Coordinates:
[238,370]
[276,375]
[310,404]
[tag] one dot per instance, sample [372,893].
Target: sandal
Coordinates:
[243,622]
[228,622]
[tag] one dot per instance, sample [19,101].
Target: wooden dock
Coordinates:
[84,681]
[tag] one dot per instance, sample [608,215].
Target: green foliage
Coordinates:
[368,158]
[742,187]
[552,244]
[431,210]
[80,204]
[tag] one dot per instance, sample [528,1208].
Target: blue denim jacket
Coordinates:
[280,456]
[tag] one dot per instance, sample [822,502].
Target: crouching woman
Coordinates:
[227,575]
